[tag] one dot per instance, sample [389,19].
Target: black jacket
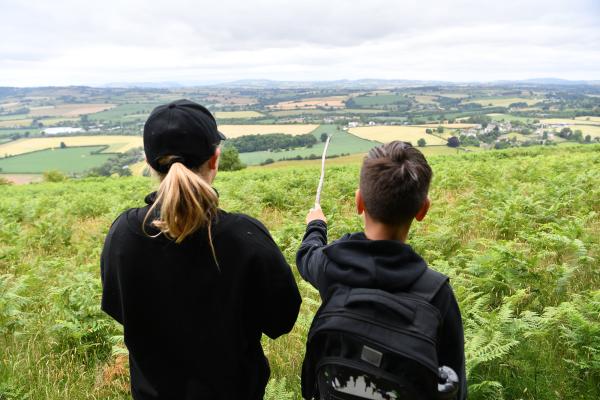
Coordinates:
[193,329]
[358,262]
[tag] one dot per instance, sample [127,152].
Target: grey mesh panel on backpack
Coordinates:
[366,343]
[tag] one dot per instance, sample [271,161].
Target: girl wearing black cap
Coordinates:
[194,286]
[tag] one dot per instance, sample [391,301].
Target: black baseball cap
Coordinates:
[183,129]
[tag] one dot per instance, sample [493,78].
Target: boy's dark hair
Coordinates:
[394,181]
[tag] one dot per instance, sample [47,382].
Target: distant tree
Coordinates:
[63,145]
[481,119]
[429,131]
[125,171]
[577,136]
[421,142]
[267,161]
[545,135]
[230,160]
[565,133]
[502,144]
[54,176]
[440,129]
[324,137]
[469,141]
[453,142]
[84,121]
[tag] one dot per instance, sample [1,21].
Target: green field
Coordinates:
[69,160]
[13,117]
[341,142]
[509,118]
[519,136]
[357,158]
[380,100]
[124,111]
[345,111]
[21,131]
[516,231]
[502,101]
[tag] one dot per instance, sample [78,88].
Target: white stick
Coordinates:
[320,187]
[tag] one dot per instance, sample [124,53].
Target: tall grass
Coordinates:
[517,231]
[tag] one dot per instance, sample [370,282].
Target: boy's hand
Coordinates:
[314,214]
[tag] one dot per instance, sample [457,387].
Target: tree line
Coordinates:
[271,141]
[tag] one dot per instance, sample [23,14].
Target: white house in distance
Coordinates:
[61,130]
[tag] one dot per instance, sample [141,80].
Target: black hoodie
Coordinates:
[193,328]
[389,265]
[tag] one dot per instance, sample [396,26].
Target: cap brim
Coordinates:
[221,135]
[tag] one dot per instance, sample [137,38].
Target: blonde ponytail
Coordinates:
[187,203]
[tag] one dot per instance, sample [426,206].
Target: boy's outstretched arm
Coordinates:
[310,259]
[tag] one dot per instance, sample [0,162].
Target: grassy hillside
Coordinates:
[517,231]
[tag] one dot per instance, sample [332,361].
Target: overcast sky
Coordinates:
[67,42]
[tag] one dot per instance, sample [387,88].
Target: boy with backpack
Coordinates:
[388,327]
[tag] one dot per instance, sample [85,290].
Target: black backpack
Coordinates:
[367,343]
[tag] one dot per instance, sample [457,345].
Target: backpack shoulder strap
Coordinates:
[428,284]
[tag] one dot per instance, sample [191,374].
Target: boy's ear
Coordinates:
[423,210]
[213,162]
[360,204]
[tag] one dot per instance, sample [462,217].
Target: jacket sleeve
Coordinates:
[279,297]
[310,259]
[451,346]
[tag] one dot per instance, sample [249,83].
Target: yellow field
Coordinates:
[592,120]
[592,130]
[117,144]
[69,110]
[9,106]
[237,114]
[503,102]
[385,134]
[425,99]
[333,101]
[15,123]
[590,127]
[568,121]
[137,169]
[233,131]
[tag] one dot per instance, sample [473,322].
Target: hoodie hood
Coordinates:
[384,264]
